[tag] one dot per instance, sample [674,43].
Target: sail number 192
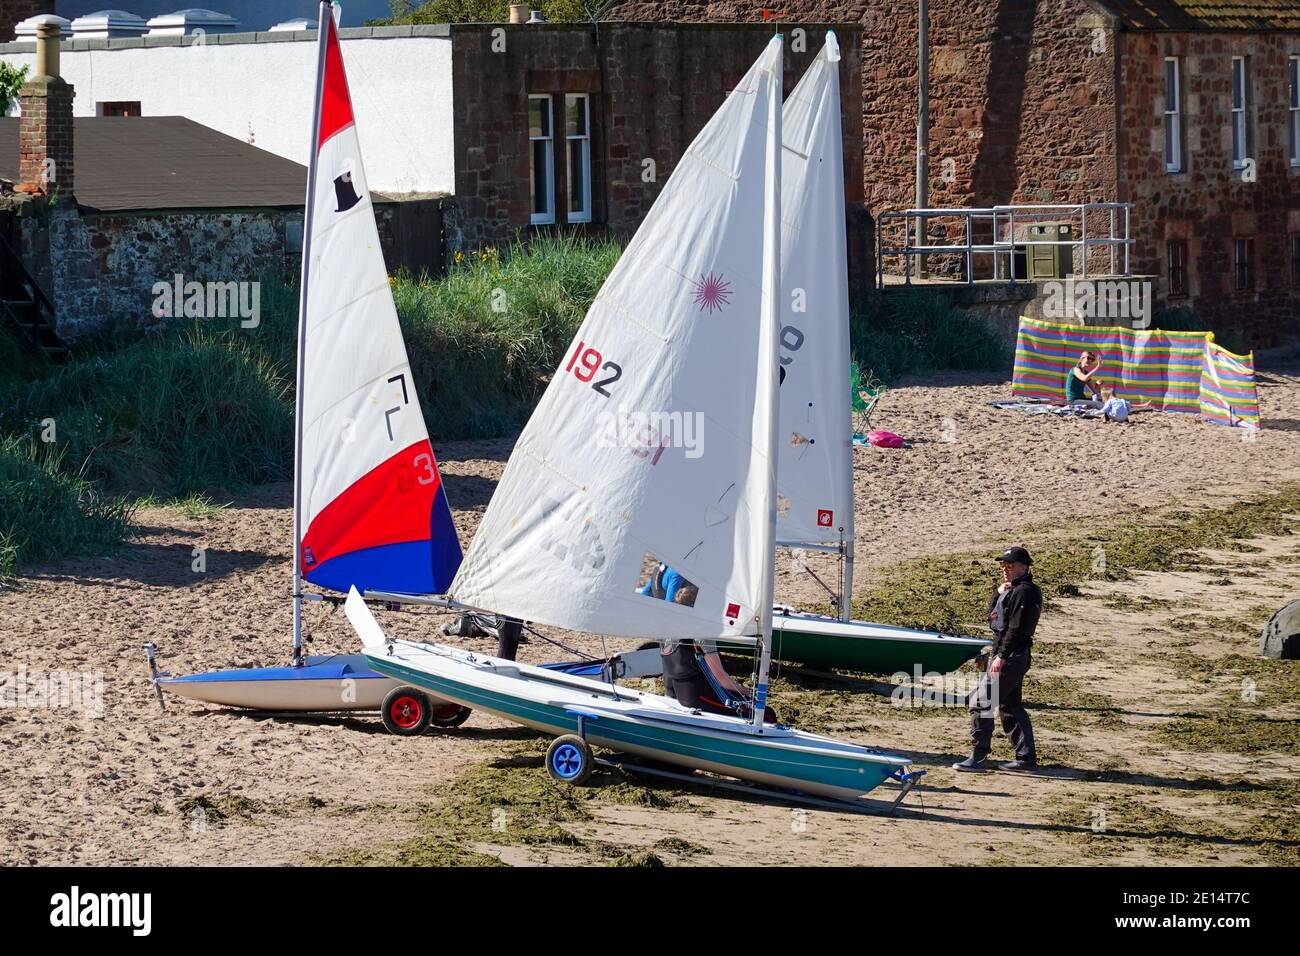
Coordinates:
[586,363]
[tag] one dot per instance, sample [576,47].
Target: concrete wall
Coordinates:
[258,88]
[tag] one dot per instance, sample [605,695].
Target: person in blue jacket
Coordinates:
[664,584]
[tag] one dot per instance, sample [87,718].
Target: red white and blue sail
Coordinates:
[372,512]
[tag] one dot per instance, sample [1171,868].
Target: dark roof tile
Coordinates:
[1206,14]
[166,162]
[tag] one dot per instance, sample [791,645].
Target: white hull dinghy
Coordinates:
[369,507]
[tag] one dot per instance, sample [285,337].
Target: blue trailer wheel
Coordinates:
[569,759]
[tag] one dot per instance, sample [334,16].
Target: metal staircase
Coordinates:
[25,308]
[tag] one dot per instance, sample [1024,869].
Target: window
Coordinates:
[1177,267]
[1173,116]
[1242,134]
[1243,254]
[577,136]
[119,108]
[1293,124]
[1295,258]
[542,141]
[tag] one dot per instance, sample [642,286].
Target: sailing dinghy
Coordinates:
[687,324]
[369,507]
[815,471]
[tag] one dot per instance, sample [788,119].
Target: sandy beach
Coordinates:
[1135,664]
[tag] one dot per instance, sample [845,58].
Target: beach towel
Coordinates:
[1077,410]
[1175,371]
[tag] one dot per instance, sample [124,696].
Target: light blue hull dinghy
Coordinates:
[338,682]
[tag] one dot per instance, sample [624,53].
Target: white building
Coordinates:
[258,87]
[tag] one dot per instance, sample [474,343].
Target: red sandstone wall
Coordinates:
[655,88]
[1209,204]
[1022,95]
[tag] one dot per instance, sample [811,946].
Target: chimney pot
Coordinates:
[47,28]
[518,13]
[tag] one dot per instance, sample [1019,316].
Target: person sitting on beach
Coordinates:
[1079,382]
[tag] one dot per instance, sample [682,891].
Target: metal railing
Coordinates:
[1002,222]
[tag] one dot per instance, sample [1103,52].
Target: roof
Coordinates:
[1206,14]
[166,162]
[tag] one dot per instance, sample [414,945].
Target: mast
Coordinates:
[321,36]
[767,395]
[847,540]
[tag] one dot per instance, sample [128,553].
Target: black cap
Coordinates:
[1016,555]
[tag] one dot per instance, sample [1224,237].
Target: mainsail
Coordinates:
[815,460]
[682,338]
[369,506]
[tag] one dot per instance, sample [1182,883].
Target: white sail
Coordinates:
[370,511]
[815,460]
[653,441]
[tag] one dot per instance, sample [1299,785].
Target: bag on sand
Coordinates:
[885,439]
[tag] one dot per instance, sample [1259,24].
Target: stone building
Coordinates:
[105,208]
[519,128]
[1187,108]
[572,125]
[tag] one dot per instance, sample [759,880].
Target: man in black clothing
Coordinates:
[1013,616]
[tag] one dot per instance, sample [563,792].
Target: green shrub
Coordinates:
[176,412]
[481,11]
[483,340]
[46,512]
[912,332]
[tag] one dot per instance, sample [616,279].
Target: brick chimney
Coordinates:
[45,127]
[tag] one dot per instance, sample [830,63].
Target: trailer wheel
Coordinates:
[406,711]
[448,715]
[569,760]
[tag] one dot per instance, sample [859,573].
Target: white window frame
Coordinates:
[546,217]
[1293,116]
[1174,117]
[583,214]
[1240,111]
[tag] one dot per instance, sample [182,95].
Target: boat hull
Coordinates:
[820,641]
[341,682]
[644,725]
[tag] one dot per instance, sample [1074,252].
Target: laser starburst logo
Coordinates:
[712,292]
